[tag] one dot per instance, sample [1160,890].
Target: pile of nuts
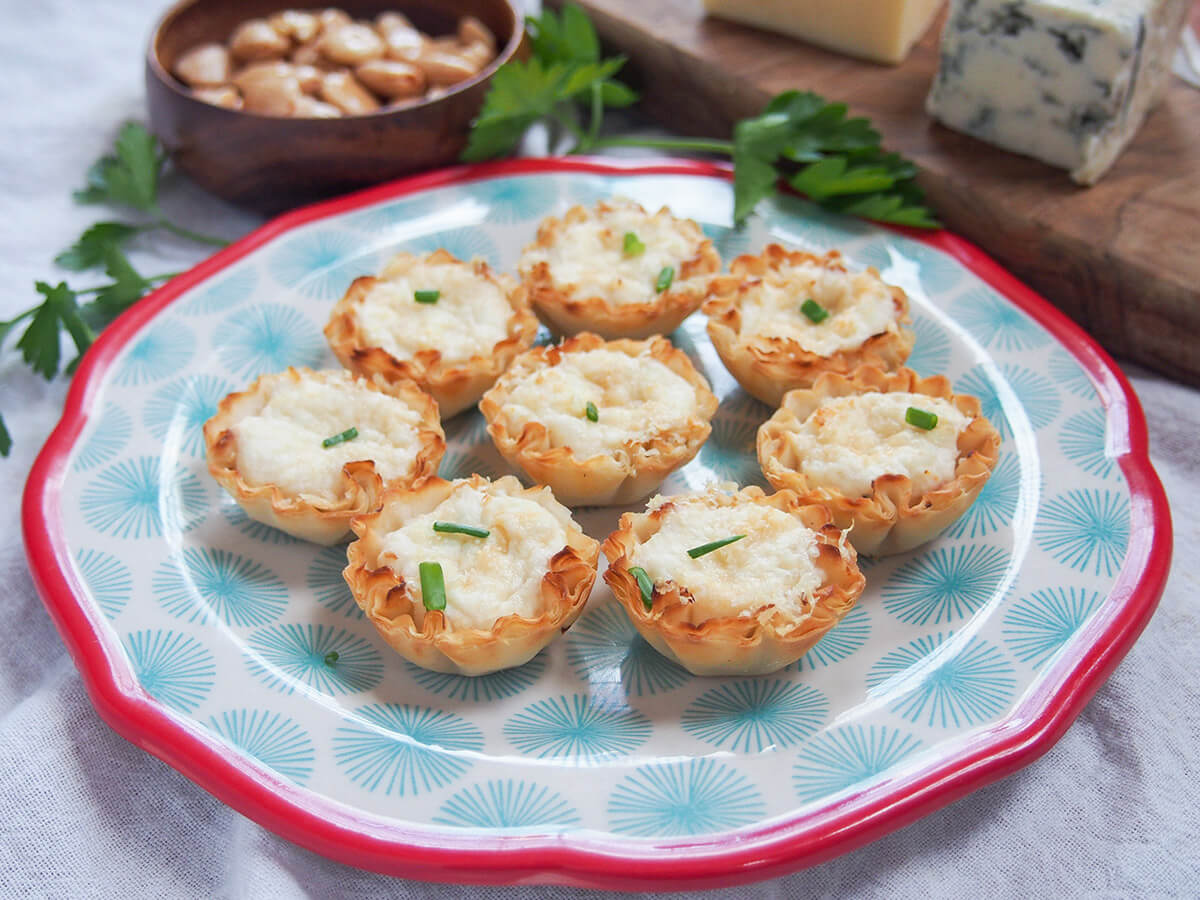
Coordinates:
[325,64]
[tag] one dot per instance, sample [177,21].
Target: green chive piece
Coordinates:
[703,549]
[665,277]
[632,245]
[334,439]
[426,296]
[455,528]
[814,310]
[433,586]
[645,585]
[591,412]
[331,658]
[920,418]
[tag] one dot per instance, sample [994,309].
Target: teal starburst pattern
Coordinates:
[270,737]
[1082,440]
[969,686]
[136,498]
[606,651]
[294,656]
[162,350]
[464,464]
[202,585]
[791,220]
[468,430]
[108,438]
[511,201]
[1070,375]
[325,581]
[260,531]
[996,504]
[176,412]
[1038,626]
[730,451]
[756,715]
[576,727]
[729,242]
[401,211]
[1087,530]
[507,805]
[464,243]
[845,639]
[405,750]
[320,263]
[945,583]
[480,688]
[107,579]
[848,758]
[172,667]
[997,323]
[931,352]
[1035,393]
[232,289]
[267,338]
[699,796]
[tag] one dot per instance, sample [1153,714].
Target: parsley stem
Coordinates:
[565,118]
[597,114]
[694,145]
[165,276]
[162,221]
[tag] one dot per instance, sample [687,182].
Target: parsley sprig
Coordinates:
[799,139]
[129,177]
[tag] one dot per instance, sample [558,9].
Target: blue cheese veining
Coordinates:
[1068,82]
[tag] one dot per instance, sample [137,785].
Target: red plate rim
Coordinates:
[342,833]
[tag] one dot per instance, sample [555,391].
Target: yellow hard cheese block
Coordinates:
[880,30]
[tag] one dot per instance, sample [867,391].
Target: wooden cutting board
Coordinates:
[1122,258]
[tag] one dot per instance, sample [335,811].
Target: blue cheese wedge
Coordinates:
[1067,82]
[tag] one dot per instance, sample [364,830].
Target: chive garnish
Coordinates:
[632,245]
[645,585]
[920,418]
[591,412]
[665,277]
[426,296]
[331,658]
[433,586]
[697,552]
[814,310]
[455,528]
[334,439]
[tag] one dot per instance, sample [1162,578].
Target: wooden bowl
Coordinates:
[271,164]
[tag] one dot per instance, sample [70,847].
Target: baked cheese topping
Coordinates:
[486,578]
[859,304]
[775,563]
[469,317]
[850,441]
[635,398]
[281,444]
[589,257]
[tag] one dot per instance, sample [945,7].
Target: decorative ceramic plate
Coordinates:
[203,636]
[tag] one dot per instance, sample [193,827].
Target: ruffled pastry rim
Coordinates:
[733,645]
[768,367]
[304,517]
[600,480]
[455,385]
[513,640]
[566,313]
[891,520]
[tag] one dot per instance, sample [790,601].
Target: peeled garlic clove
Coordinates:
[296,24]
[225,95]
[343,91]
[311,108]
[203,66]
[352,45]
[404,43]
[391,78]
[255,39]
[387,21]
[471,30]
[444,69]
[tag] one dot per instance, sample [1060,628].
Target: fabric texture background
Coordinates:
[1109,811]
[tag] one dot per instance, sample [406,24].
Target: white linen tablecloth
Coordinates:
[1110,811]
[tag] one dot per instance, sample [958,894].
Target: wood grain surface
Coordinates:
[1122,257]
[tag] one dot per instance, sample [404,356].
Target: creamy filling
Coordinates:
[485,578]
[850,441]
